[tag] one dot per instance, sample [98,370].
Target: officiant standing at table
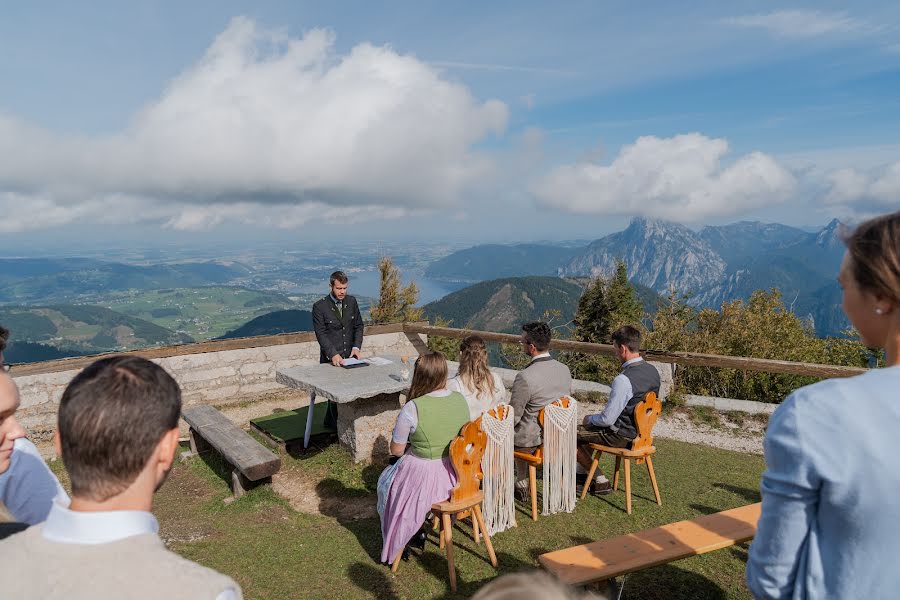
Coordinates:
[338,325]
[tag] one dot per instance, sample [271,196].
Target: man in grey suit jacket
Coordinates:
[537,385]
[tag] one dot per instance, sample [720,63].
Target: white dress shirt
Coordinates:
[67,526]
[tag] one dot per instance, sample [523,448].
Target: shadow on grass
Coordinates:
[317,444]
[751,496]
[669,582]
[436,564]
[373,579]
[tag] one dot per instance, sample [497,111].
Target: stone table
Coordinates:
[369,398]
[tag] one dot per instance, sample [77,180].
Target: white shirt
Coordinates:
[66,526]
[541,355]
[28,487]
[479,404]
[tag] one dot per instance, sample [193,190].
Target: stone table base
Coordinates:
[365,425]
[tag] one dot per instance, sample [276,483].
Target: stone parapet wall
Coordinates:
[204,377]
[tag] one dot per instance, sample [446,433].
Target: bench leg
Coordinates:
[653,480]
[616,474]
[532,480]
[595,460]
[627,486]
[396,563]
[239,483]
[487,537]
[198,444]
[448,537]
[309,417]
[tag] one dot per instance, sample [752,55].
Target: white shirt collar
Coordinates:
[541,355]
[77,527]
[631,362]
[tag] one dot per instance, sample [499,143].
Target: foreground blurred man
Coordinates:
[117,435]
[10,431]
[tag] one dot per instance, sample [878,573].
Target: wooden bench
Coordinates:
[251,462]
[602,560]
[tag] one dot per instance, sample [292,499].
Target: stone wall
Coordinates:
[205,377]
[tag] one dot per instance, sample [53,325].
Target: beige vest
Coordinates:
[137,567]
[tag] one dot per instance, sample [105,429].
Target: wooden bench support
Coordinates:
[605,559]
[252,464]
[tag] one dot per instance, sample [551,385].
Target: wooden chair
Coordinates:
[466,451]
[536,459]
[645,415]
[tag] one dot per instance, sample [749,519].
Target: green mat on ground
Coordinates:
[290,425]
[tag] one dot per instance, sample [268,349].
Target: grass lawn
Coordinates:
[278,553]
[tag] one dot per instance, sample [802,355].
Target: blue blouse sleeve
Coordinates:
[790,497]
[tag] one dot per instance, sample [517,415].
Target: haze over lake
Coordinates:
[367,283]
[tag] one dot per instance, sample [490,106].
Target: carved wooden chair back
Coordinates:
[645,415]
[466,451]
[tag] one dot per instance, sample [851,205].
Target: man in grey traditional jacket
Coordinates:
[537,385]
[117,435]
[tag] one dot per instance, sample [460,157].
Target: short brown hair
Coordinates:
[430,374]
[338,276]
[874,247]
[538,334]
[111,417]
[627,336]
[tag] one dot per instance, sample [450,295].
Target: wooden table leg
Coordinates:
[309,417]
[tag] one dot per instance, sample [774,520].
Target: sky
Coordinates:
[236,122]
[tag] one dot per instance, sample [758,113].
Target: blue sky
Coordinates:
[511,121]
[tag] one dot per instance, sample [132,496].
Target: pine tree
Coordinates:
[622,304]
[394,304]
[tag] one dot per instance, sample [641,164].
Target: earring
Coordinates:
[879,311]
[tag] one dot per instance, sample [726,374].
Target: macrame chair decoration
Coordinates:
[466,451]
[556,456]
[498,469]
[645,416]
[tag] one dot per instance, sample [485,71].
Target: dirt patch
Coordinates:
[177,520]
[300,491]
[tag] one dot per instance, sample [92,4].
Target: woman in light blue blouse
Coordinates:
[830,523]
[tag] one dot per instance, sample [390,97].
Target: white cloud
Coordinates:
[681,178]
[800,23]
[283,125]
[864,192]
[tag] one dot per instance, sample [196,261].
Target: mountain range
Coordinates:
[712,265]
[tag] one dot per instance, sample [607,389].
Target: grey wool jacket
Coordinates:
[537,385]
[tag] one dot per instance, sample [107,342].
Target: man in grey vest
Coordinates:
[117,435]
[615,426]
[537,385]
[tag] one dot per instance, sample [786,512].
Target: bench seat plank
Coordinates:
[250,457]
[605,559]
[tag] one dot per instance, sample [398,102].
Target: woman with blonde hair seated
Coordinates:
[424,475]
[830,521]
[482,388]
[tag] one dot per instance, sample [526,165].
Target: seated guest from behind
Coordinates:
[543,381]
[428,422]
[830,521]
[27,486]
[10,431]
[615,426]
[482,388]
[117,435]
